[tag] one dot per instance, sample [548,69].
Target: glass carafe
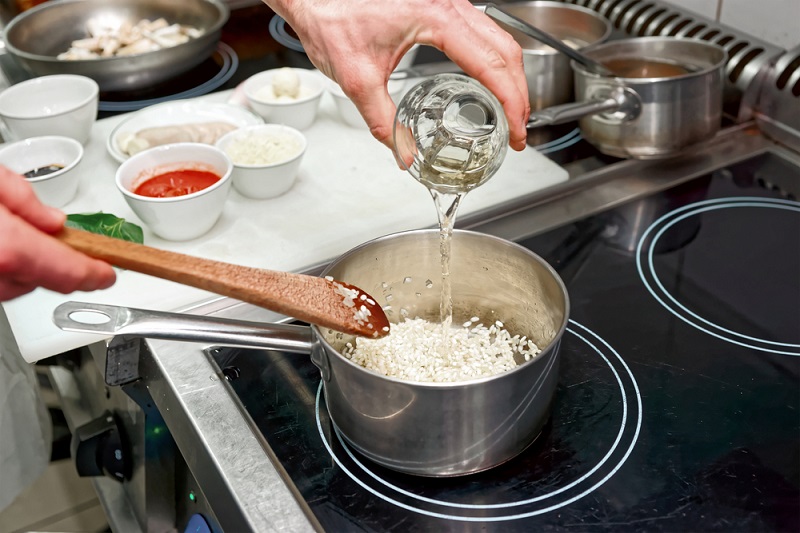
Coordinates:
[450,133]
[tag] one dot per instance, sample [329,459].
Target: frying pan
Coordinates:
[35,37]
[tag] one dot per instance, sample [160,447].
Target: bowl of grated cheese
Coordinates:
[266,158]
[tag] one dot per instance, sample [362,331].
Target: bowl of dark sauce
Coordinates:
[38,172]
[49,164]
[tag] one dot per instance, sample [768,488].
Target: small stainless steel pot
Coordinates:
[548,72]
[428,429]
[646,118]
[35,37]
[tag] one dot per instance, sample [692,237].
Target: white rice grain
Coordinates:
[419,350]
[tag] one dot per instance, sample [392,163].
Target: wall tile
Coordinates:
[775,21]
[705,8]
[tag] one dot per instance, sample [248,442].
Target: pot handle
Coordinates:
[619,99]
[113,320]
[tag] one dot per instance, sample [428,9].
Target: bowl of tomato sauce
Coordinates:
[177,190]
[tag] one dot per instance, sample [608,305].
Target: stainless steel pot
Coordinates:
[429,429]
[646,118]
[35,37]
[548,72]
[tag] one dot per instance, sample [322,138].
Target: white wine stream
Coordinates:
[451,134]
[446,208]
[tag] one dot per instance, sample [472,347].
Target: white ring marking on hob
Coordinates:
[521,502]
[694,209]
[564,138]
[561,143]
[512,504]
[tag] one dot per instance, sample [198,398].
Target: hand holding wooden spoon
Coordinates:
[324,302]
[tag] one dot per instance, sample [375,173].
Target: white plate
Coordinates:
[176,113]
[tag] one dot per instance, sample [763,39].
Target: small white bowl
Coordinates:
[62,104]
[57,188]
[255,179]
[177,218]
[347,109]
[298,113]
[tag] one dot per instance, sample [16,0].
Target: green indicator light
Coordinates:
[192,497]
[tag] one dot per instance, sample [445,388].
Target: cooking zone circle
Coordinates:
[564,464]
[645,263]
[206,77]
[561,143]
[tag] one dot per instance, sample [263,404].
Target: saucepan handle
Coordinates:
[621,100]
[114,320]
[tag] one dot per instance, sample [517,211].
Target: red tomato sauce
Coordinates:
[176,183]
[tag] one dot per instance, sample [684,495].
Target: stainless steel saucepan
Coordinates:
[666,95]
[548,72]
[422,428]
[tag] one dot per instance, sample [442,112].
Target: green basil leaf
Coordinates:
[106,224]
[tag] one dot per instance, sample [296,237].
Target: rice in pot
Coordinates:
[420,350]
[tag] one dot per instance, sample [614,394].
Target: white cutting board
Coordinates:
[349,191]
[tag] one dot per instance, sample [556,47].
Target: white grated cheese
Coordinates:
[262,148]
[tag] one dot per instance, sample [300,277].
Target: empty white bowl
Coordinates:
[62,104]
[296,112]
[348,111]
[56,188]
[177,218]
[266,158]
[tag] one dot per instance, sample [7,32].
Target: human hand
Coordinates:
[358,44]
[31,258]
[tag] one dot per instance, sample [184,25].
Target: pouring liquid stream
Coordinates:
[451,134]
[449,172]
[448,182]
[446,209]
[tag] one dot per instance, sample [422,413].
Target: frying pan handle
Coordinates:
[113,320]
[621,100]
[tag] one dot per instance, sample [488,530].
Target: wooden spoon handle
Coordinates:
[309,298]
[214,276]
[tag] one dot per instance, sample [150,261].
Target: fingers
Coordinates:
[491,56]
[30,258]
[372,99]
[360,57]
[18,196]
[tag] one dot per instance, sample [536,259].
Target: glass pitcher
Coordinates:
[450,133]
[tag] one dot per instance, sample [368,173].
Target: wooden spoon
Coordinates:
[324,302]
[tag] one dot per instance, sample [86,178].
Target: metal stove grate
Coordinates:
[778,105]
[749,58]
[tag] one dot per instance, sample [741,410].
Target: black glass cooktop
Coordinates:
[678,405]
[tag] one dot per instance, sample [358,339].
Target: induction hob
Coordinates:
[678,405]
